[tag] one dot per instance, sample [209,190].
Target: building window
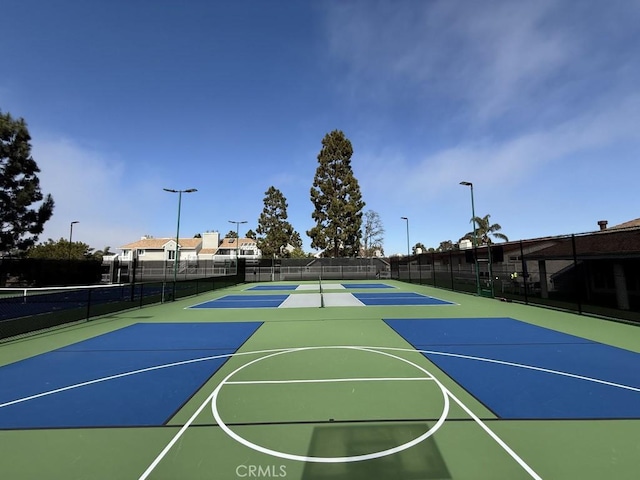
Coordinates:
[172,254]
[141,252]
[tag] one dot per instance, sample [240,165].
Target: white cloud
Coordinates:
[490,59]
[92,188]
[503,164]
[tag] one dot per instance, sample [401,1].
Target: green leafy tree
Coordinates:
[373,233]
[336,199]
[62,250]
[298,253]
[295,240]
[446,246]
[23,208]
[420,246]
[250,234]
[231,234]
[485,230]
[275,233]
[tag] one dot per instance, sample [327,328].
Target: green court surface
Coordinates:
[374,389]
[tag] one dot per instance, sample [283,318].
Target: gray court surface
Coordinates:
[313,300]
[325,286]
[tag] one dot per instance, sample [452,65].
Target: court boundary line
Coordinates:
[474,417]
[531,367]
[238,300]
[446,303]
[344,459]
[127,374]
[258,352]
[384,295]
[409,350]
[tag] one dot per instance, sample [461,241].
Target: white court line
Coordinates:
[132,372]
[493,435]
[475,418]
[482,425]
[177,436]
[531,367]
[157,367]
[257,352]
[329,380]
[354,458]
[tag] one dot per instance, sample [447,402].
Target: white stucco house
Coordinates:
[209,247]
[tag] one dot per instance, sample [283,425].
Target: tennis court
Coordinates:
[354,380]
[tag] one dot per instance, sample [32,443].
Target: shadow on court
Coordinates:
[423,461]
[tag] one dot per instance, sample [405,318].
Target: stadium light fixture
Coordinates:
[175,260]
[475,236]
[237,238]
[408,249]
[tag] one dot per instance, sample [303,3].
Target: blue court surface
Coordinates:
[366,285]
[522,371]
[137,376]
[273,287]
[244,301]
[397,298]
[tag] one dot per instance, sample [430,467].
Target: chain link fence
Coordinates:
[28,309]
[292,269]
[595,273]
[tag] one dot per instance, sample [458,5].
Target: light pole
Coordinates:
[475,236]
[71,236]
[237,238]
[175,260]
[408,249]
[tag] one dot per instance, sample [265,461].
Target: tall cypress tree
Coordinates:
[337,200]
[274,231]
[23,208]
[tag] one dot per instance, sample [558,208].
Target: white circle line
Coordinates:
[304,458]
[188,423]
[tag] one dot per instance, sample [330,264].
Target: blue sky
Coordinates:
[535,102]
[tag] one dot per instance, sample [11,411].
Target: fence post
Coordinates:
[433,267]
[451,270]
[89,304]
[524,273]
[134,266]
[575,266]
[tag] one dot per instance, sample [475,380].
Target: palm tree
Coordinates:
[101,253]
[484,231]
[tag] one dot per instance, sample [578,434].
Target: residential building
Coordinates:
[207,247]
[161,249]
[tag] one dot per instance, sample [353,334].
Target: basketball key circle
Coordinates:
[304,458]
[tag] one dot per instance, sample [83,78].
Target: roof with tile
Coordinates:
[629,224]
[612,242]
[159,243]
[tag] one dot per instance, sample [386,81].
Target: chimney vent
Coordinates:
[603,224]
